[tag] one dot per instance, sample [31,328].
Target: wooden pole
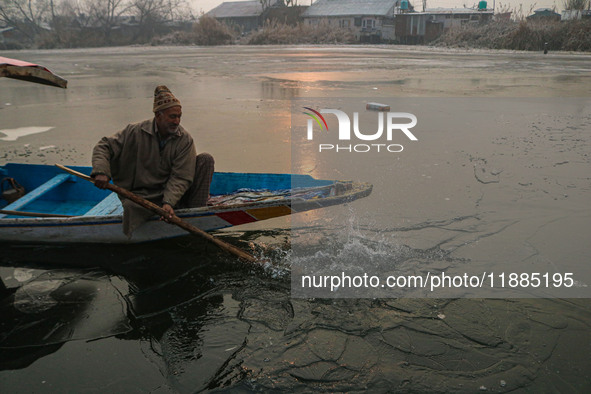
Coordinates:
[34,214]
[174,220]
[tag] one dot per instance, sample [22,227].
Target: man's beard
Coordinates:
[172,129]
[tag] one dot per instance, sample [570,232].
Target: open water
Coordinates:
[498,181]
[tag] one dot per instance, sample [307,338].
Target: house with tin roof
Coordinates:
[245,15]
[547,14]
[370,20]
[419,27]
[250,15]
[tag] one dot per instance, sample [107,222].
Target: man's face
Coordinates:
[168,120]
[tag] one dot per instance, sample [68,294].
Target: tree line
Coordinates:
[65,23]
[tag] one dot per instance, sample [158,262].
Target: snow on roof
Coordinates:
[441,10]
[237,9]
[324,8]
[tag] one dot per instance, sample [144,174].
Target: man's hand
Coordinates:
[101,181]
[169,210]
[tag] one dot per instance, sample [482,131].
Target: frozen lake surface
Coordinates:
[498,182]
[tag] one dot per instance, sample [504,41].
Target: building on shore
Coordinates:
[547,14]
[244,15]
[247,16]
[420,27]
[393,20]
[370,20]
[568,15]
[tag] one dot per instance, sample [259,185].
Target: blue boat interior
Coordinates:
[49,190]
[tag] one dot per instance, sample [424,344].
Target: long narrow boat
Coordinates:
[61,208]
[18,69]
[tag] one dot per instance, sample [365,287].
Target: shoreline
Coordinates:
[398,47]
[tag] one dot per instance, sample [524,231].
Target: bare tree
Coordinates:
[106,13]
[153,15]
[149,15]
[176,9]
[27,16]
[62,16]
[148,9]
[63,23]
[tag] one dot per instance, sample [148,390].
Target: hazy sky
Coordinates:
[206,5]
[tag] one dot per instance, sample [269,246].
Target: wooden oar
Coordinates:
[34,214]
[174,220]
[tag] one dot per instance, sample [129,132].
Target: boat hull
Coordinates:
[106,227]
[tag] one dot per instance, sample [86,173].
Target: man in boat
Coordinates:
[155,159]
